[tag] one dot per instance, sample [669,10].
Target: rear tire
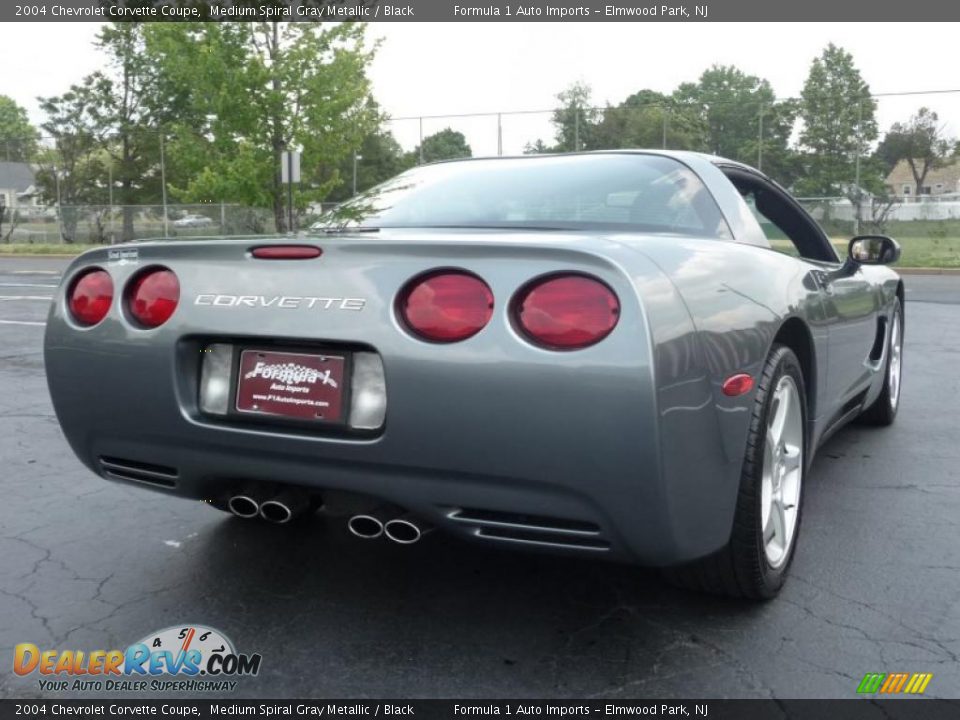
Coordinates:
[754,562]
[884,408]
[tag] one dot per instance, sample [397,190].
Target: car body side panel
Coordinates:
[858,303]
[739,296]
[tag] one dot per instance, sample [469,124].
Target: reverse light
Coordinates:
[152,296]
[446,306]
[90,297]
[566,312]
[215,378]
[368,392]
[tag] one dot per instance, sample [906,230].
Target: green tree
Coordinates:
[118,111]
[735,110]
[18,138]
[448,144]
[921,142]
[252,90]
[537,147]
[839,123]
[379,158]
[576,119]
[76,169]
[648,119]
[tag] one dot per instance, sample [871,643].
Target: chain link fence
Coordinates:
[107,225]
[848,189]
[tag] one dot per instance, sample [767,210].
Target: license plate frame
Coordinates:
[310,358]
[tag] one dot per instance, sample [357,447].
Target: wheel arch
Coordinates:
[795,334]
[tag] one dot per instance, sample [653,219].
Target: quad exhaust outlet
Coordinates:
[278,508]
[390,522]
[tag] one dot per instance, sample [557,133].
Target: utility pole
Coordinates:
[421,141]
[163,189]
[760,141]
[355,159]
[289,174]
[56,176]
[113,234]
[576,129]
[856,181]
[499,134]
[290,192]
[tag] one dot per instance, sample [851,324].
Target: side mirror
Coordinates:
[873,250]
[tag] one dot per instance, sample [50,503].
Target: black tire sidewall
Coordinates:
[784,362]
[886,395]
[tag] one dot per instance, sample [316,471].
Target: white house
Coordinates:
[18,187]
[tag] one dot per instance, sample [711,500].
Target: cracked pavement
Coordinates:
[875,587]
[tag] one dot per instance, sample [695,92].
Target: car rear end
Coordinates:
[496,435]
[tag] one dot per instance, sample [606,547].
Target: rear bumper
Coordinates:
[600,471]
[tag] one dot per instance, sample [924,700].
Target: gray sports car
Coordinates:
[630,355]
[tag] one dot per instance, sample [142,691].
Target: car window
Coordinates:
[620,192]
[778,238]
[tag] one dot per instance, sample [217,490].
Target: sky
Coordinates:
[455,68]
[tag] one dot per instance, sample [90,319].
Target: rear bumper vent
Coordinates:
[140,472]
[526,529]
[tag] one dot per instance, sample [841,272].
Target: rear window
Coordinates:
[617,192]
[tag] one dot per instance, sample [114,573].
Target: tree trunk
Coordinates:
[277,140]
[126,193]
[127,232]
[919,175]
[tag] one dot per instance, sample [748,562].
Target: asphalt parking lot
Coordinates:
[875,587]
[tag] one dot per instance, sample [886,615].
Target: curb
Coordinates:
[927,271]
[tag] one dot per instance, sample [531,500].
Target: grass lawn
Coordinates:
[44,249]
[922,251]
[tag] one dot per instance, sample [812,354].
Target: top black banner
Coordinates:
[476,11]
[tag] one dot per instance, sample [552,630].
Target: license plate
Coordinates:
[300,386]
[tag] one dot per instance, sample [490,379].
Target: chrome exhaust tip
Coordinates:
[276,512]
[243,506]
[284,507]
[365,526]
[405,530]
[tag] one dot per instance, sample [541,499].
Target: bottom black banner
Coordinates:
[865,709]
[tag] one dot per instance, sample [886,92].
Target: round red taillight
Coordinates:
[566,312]
[153,296]
[446,306]
[90,297]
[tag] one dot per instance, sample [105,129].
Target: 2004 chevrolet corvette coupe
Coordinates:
[599,354]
